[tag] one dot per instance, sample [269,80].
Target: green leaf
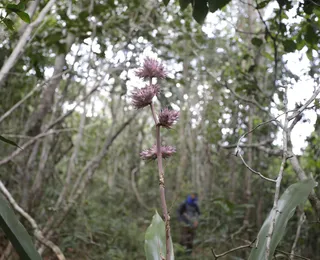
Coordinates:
[16,233]
[53,38]
[166,2]
[310,35]
[155,240]
[184,4]
[262,4]
[13,8]
[24,16]
[268,56]
[8,23]
[214,5]
[257,41]
[5,140]
[289,46]
[21,6]
[200,11]
[282,2]
[308,7]
[309,54]
[295,195]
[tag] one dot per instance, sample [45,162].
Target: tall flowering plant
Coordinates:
[143,97]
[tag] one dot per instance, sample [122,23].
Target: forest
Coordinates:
[159,129]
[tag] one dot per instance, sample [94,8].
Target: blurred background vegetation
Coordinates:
[79,174]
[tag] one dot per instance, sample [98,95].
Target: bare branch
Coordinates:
[47,130]
[301,109]
[256,172]
[244,135]
[259,146]
[230,251]
[84,176]
[301,220]
[250,101]
[37,232]
[135,190]
[13,58]
[6,114]
[289,254]
[274,211]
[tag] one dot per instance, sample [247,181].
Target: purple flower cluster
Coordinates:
[168,117]
[151,153]
[151,69]
[143,97]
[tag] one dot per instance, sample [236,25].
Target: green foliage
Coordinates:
[166,2]
[290,199]
[184,4]
[289,45]
[5,140]
[256,41]
[262,4]
[155,240]
[18,9]
[215,5]
[200,8]
[16,233]
[200,11]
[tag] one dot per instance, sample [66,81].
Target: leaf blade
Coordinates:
[155,239]
[16,232]
[5,140]
[200,11]
[24,16]
[289,200]
[214,5]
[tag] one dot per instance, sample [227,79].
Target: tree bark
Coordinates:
[13,58]
[33,125]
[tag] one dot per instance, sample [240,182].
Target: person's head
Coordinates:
[192,198]
[194,195]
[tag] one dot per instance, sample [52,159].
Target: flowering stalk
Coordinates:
[166,118]
[162,191]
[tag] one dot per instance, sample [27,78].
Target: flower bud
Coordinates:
[151,153]
[151,69]
[143,97]
[168,117]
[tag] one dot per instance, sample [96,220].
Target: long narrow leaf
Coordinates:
[16,232]
[5,140]
[293,196]
[155,240]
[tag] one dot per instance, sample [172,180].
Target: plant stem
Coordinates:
[161,185]
[280,175]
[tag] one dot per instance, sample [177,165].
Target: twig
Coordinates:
[279,178]
[254,171]
[84,176]
[250,101]
[231,250]
[37,232]
[301,220]
[135,190]
[301,109]
[6,114]
[13,58]
[245,134]
[274,40]
[48,130]
[288,254]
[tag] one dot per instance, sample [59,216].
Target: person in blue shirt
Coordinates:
[188,213]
